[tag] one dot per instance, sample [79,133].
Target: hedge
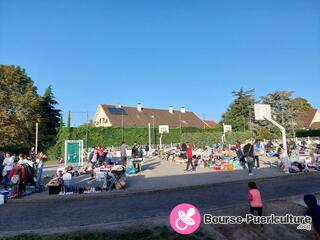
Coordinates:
[113,136]
[209,138]
[308,133]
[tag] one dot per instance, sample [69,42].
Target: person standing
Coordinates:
[7,165]
[269,146]
[184,149]
[240,154]
[147,150]
[1,162]
[32,154]
[189,155]
[101,155]
[134,150]
[248,153]
[257,150]
[313,211]
[39,164]
[93,158]
[255,200]
[123,153]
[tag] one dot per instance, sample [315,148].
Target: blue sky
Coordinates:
[162,53]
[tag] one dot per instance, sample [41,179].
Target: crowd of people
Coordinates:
[20,171]
[101,155]
[248,155]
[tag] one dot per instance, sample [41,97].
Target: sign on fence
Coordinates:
[73,152]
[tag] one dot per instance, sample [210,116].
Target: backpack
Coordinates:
[15,179]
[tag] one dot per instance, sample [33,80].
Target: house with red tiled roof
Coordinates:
[309,119]
[123,116]
[210,124]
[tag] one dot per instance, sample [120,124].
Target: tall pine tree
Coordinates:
[50,119]
[240,110]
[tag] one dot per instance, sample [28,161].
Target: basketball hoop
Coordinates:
[163,129]
[263,112]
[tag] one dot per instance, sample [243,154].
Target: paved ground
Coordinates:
[163,175]
[107,211]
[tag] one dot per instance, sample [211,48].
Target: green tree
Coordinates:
[50,118]
[283,110]
[69,126]
[69,120]
[239,113]
[301,104]
[19,108]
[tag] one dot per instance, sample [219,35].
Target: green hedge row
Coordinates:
[308,133]
[209,138]
[113,136]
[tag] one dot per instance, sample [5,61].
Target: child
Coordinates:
[255,200]
[314,212]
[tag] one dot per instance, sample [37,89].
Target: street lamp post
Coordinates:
[122,129]
[37,131]
[180,127]
[153,129]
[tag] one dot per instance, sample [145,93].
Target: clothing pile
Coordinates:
[55,185]
[20,176]
[76,171]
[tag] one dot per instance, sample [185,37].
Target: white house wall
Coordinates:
[316,117]
[101,118]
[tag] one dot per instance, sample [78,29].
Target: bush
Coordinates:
[308,133]
[113,136]
[209,138]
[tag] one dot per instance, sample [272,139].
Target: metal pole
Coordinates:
[36,145]
[87,132]
[153,133]
[161,141]
[180,126]
[122,133]
[250,123]
[283,132]
[149,126]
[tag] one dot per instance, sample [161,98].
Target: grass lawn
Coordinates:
[157,233]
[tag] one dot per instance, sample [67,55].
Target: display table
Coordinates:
[113,176]
[136,162]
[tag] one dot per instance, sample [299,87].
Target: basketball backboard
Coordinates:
[163,129]
[262,112]
[227,128]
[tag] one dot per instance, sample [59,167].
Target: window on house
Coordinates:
[117,111]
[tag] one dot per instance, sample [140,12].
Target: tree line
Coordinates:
[21,107]
[284,107]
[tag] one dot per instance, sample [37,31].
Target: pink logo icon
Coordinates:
[185,218]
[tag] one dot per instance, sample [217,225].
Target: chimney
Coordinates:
[183,110]
[139,107]
[171,109]
[118,105]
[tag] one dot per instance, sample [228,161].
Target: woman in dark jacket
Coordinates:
[314,212]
